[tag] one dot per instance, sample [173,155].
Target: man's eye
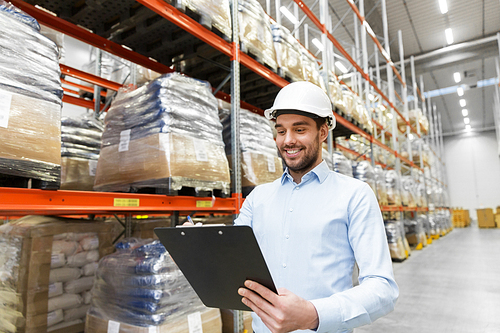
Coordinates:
[300,130]
[281,132]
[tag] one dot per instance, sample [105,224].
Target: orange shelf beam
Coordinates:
[85,103]
[90,78]
[15,202]
[82,87]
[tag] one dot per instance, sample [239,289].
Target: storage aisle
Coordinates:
[453,285]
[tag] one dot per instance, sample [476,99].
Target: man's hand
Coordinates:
[281,313]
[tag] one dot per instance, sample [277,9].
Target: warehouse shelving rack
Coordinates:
[231,50]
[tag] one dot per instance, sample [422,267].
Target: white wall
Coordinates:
[473,168]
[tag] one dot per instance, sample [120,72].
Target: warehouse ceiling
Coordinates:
[473,52]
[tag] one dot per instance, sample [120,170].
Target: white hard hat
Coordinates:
[305,97]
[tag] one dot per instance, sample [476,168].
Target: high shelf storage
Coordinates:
[187,45]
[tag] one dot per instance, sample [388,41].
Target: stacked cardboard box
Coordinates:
[43,244]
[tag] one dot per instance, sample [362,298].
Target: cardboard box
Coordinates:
[485,218]
[33,130]
[36,233]
[258,169]
[167,157]
[497,220]
[210,320]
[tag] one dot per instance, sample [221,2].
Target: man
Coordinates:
[312,225]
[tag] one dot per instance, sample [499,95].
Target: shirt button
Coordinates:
[291,209]
[287,236]
[284,265]
[297,188]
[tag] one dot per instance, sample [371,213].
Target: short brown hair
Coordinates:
[319,122]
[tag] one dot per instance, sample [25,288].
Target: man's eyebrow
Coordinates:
[299,123]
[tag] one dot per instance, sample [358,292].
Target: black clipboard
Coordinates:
[216,260]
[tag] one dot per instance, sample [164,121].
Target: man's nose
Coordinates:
[290,138]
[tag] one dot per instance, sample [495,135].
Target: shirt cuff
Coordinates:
[329,314]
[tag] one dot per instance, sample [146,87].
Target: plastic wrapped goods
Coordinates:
[213,13]
[415,232]
[364,171]
[408,191]
[327,157]
[414,116]
[30,99]
[395,240]
[341,164]
[166,134]
[80,147]
[260,163]
[381,186]
[311,69]
[141,285]
[393,184]
[336,94]
[288,53]
[255,32]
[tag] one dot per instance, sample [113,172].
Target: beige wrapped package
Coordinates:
[259,168]
[311,69]
[213,12]
[30,137]
[336,94]
[77,173]
[255,32]
[414,116]
[288,53]
[163,160]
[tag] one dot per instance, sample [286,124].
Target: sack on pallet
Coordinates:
[164,135]
[140,285]
[310,68]
[341,164]
[29,273]
[393,184]
[213,13]
[30,100]
[364,171]
[381,185]
[395,240]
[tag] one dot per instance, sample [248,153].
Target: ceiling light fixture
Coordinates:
[468,128]
[340,66]
[443,6]
[465,112]
[318,44]
[460,91]
[449,36]
[456,76]
[466,121]
[463,103]
[288,14]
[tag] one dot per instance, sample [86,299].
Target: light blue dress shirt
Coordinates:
[312,233]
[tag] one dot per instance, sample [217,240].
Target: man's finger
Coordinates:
[267,294]
[266,319]
[256,299]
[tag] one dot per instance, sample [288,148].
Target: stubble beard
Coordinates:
[307,161]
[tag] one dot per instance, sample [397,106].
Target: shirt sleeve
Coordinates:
[377,292]
[245,216]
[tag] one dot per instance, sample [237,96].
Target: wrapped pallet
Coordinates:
[256,37]
[288,53]
[364,171]
[415,233]
[140,289]
[381,185]
[165,135]
[56,261]
[395,240]
[30,100]
[327,157]
[336,94]
[409,195]
[260,162]
[80,147]
[393,185]
[311,68]
[213,13]
[414,116]
[341,164]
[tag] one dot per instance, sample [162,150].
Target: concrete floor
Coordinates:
[453,285]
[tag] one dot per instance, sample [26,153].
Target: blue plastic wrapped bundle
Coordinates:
[364,171]
[141,285]
[30,99]
[165,134]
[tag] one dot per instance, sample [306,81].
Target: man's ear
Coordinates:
[323,132]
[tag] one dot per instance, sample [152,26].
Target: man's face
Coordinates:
[298,141]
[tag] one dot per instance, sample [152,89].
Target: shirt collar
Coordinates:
[321,171]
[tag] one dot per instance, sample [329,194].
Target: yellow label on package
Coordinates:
[121,202]
[203,203]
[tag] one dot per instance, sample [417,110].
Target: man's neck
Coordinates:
[297,175]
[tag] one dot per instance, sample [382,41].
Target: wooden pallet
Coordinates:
[25,182]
